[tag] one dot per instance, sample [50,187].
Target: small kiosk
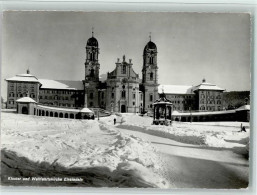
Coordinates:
[162,109]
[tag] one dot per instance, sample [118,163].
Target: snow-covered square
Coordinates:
[132,153]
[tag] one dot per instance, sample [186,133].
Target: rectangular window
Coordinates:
[133,103]
[134,96]
[151,98]
[112,95]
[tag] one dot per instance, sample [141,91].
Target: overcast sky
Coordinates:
[191,46]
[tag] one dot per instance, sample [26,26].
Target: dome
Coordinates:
[150,45]
[92,42]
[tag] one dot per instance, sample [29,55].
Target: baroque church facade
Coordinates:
[122,91]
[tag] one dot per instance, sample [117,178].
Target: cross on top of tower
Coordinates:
[92,31]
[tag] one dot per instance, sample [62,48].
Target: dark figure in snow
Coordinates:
[243,129]
[114,120]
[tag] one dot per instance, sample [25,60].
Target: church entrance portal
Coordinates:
[123,108]
[24,110]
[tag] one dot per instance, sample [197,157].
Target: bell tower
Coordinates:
[92,65]
[149,75]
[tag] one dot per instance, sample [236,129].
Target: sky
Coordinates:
[191,46]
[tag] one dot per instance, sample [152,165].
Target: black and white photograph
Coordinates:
[126,99]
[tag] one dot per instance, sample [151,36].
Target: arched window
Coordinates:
[123,94]
[202,101]
[151,76]
[218,102]
[151,60]
[71,115]
[92,56]
[92,72]
[91,95]
[124,69]
[202,108]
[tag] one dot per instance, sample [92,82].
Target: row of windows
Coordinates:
[174,96]
[20,88]
[22,95]
[210,102]
[55,98]
[212,97]
[209,108]
[25,86]
[91,95]
[57,92]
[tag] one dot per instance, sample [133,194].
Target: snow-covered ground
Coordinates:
[213,134]
[53,146]
[132,153]
[198,155]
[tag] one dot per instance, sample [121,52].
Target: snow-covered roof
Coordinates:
[23,78]
[203,113]
[175,89]
[26,100]
[86,110]
[244,107]
[60,109]
[207,86]
[61,84]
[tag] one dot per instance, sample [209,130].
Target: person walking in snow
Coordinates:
[242,128]
[114,119]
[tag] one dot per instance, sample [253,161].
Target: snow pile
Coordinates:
[102,156]
[213,134]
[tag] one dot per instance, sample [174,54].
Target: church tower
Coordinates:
[149,76]
[92,65]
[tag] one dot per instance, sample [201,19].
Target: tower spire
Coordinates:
[92,31]
[150,36]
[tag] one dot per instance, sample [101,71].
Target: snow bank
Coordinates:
[53,146]
[212,134]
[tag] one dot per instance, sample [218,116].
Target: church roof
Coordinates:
[92,42]
[162,100]
[150,45]
[175,89]
[24,78]
[26,100]
[61,84]
[207,86]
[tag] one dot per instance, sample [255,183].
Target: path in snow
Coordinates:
[193,166]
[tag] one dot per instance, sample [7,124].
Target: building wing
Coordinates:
[61,84]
